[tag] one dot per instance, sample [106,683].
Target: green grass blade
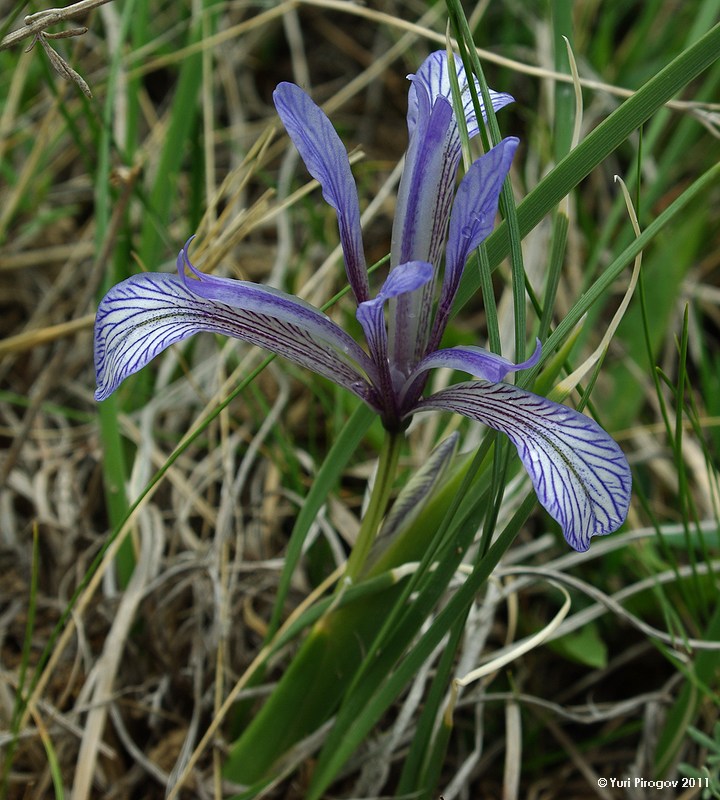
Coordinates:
[604,281]
[562,22]
[683,711]
[184,114]
[115,469]
[427,749]
[326,668]
[156,479]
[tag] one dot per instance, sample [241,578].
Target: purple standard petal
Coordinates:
[579,473]
[421,214]
[145,314]
[426,186]
[327,161]
[471,221]
[426,191]
[433,76]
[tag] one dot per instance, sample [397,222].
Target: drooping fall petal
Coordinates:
[146,313]
[579,473]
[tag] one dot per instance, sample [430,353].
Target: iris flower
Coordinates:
[579,473]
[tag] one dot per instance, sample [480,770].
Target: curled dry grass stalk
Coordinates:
[141,672]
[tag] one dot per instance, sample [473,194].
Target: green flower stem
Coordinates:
[379,498]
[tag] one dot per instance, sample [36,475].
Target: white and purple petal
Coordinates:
[426,187]
[433,167]
[143,315]
[579,473]
[327,161]
[267,301]
[433,76]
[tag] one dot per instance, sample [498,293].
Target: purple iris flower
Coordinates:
[579,473]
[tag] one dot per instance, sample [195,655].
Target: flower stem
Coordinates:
[379,497]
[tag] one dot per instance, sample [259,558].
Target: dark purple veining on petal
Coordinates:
[579,473]
[147,313]
[471,221]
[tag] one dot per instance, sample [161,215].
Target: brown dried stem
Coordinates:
[36,24]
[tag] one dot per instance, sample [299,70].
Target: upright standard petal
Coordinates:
[426,187]
[327,161]
[430,91]
[423,206]
[434,77]
[471,221]
[579,473]
[145,314]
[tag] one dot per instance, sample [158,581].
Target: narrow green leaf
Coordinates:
[182,118]
[363,709]
[114,464]
[705,669]
[428,747]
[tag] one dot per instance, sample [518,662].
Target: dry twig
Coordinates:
[35,24]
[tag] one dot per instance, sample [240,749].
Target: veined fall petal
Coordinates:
[579,473]
[143,315]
